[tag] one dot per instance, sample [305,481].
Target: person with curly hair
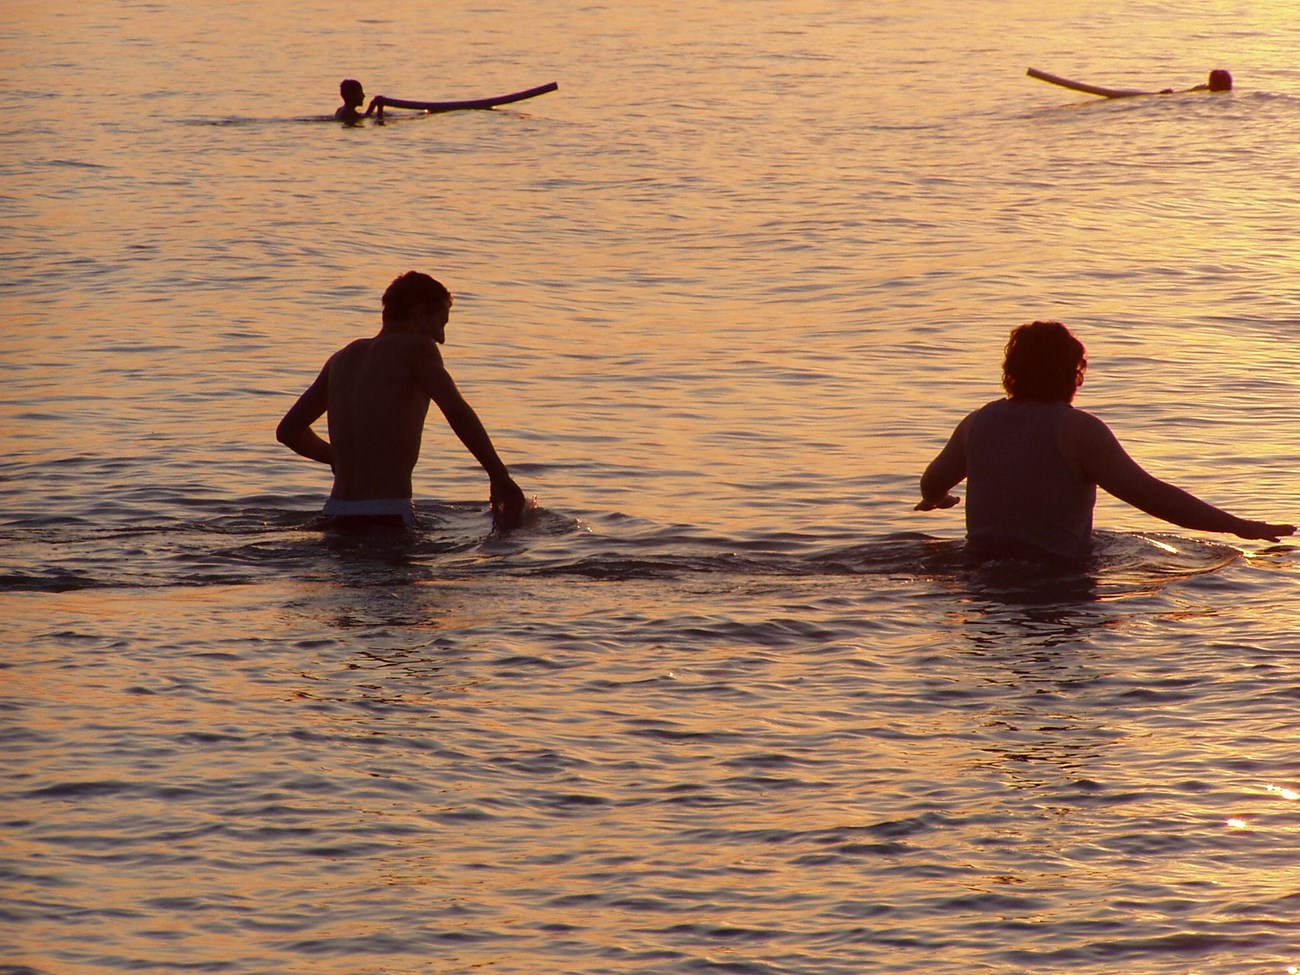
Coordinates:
[1033,462]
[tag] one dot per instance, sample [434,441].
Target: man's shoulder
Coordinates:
[351,350]
[404,351]
[992,406]
[410,344]
[1082,418]
[412,338]
[1085,429]
[389,340]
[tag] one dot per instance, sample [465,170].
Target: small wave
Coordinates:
[1127,563]
[46,582]
[245,122]
[76,164]
[220,543]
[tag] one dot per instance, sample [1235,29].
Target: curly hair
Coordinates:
[411,289]
[1044,363]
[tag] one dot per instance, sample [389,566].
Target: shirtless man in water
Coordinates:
[376,392]
[1033,462]
[354,96]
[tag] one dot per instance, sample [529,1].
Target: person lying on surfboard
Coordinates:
[354,96]
[1219,80]
[1032,463]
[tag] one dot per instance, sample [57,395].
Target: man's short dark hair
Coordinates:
[409,290]
[350,86]
[1044,363]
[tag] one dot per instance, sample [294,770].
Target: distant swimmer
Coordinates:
[354,96]
[1033,462]
[1219,80]
[376,393]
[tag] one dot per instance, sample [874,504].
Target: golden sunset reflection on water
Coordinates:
[730,702]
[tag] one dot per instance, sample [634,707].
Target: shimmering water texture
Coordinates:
[727,704]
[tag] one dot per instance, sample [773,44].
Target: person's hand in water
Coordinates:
[1263,531]
[947,501]
[508,504]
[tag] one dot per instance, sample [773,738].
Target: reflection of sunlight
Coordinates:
[1163,545]
[1276,790]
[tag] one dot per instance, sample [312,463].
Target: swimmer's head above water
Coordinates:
[354,96]
[352,93]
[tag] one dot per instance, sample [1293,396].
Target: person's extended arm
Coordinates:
[1106,462]
[376,107]
[507,499]
[945,472]
[295,430]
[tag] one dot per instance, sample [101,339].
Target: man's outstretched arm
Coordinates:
[1105,461]
[295,430]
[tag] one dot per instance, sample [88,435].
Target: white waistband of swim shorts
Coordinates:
[371,508]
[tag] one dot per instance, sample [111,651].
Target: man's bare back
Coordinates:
[377,408]
[1044,367]
[376,393]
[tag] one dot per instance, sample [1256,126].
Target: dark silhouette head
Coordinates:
[351,92]
[1044,363]
[1220,80]
[409,291]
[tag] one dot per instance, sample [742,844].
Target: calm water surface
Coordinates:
[729,705]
